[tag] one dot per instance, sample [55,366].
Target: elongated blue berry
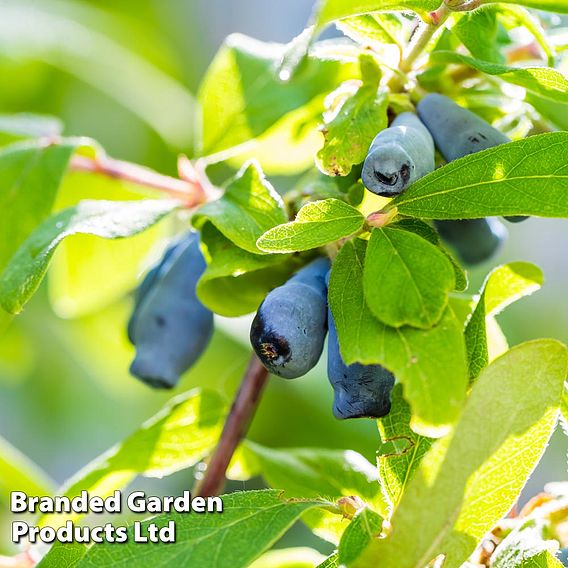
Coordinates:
[360,391]
[398,156]
[147,284]
[289,329]
[475,240]
[170,327]
[457,131]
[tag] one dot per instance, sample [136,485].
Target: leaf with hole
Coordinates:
[471,478]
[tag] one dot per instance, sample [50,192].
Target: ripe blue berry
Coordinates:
[359,390]
[475,240]
[398,156]
[516,218]
[289,329]
[457,131]
[170,327]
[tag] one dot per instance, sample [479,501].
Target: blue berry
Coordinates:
[359,390]
[474,240]
[170,327]
[289,329]
[398,156]
[457,131]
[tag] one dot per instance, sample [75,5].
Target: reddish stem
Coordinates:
[236,426]
[190,191]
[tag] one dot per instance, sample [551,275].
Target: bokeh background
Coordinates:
[125,73]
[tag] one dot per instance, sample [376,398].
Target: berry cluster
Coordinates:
[171,328]
[404,152]
[288,334]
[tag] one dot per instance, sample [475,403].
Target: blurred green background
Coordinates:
[125,74]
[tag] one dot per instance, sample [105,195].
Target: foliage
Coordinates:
[470,418]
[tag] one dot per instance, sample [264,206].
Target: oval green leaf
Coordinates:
[527,177]
[406,279]
[317,223]
[472,477]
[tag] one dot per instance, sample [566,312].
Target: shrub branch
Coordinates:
[242,411]
[189,189]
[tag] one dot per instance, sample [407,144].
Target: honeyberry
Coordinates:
[147,284]
[516,218]
[170,327]
[475,240]
[359,390]
[289,329]
[398,156]
[457,131]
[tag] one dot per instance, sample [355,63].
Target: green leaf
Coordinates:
[365,526]
[401,450]
[177,437]
[504,285]
[288,146]
[373,29]
[87,273]
[251,522]
[472,477]
[564,409]
[560,6]
[15,127]
[64,554]
[328,11]
[316,472]
[429,233]
[406,279]
[311,472]
[352,124]
[107,219]
[524,546]
[330,562]
[241,96]
[236,281]
[478,31]
[247,209]
[30,174]
[19,473]
[551,111]
[511,282]
[317,223]
[431,364]
[543,81]
[542,560]
[527,177]
[300,557]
